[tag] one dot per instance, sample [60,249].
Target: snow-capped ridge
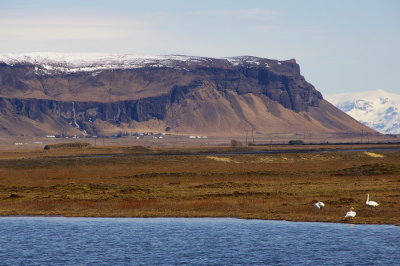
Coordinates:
[92,62]
[76,62]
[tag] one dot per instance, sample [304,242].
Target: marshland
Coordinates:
[136,181]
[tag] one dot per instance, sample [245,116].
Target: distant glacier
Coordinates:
[377,109]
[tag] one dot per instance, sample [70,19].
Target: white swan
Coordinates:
[318,204]
[350,214]
[371,202]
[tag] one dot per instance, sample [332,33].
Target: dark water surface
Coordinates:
[302,151]
[244,152]
[200,241]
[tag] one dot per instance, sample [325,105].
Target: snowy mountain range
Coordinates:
[378,109]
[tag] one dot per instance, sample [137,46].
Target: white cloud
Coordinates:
[267,20]
[254,12]
[290,29]
[20,26]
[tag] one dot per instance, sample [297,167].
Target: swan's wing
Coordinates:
[372,203]
[350,214]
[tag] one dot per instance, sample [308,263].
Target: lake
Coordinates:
[195,241]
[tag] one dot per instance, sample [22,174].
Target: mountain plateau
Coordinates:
[44,93]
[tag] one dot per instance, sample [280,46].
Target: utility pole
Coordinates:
[176,136]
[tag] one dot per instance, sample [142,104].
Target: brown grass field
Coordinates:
[181,182]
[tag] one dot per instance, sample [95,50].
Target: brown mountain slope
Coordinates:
[191,96]
[207,111]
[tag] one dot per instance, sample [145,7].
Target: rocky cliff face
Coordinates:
[186,94]
[82,115]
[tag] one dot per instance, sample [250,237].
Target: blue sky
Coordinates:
[341,46]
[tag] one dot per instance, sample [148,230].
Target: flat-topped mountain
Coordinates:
[100,94]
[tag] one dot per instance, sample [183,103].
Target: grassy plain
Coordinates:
[200,182]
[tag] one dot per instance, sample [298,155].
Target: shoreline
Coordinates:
[191,217]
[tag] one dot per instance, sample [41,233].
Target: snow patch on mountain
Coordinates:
[91,62]
[378,109]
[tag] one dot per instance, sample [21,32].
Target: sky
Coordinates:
[341,46]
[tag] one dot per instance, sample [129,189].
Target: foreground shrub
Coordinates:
[66,145]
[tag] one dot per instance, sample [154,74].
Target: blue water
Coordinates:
[203,241]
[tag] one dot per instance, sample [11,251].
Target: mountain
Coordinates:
[378,109]
[97,94]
